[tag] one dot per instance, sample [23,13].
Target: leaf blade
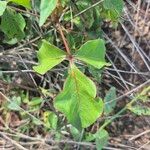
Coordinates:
[101,138]
[93,53]
[24,3]
[12,24]
[77,99]
[46,8]
[3,5]
[110,101]
[48,56]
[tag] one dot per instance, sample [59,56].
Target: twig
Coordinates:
[130,92]
[12,141]
[139,135]
[64,39]
[92,6]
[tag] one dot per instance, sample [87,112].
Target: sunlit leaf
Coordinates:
[46,8]
[77,100]
[35,101]
[50,120]
[3,5]
[93,53]
[24,3]
[49,56]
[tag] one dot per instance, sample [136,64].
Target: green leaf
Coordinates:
[49,56]
[3,5]
[89,137]
[35,101]
[110,101]
[36,121]
[75,133]
[88,17]
[140,110]
[15,104]
[46,8]
[93,53]
[77,100]
[101,139]
[116,5]
[50,120]
[12,24]
[24,3]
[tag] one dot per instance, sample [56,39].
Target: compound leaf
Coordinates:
[46,8]
[77,100]
[3,5]
[49,56]
[24,3]
[12,24]
[93,53]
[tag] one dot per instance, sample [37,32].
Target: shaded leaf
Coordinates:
[116,5]
[3,5]
[140,110]
[75,133]
[101,139]
[15,104]
[89,137]
[110,101]
[46,8]
[77,100]
[12,24]
[24,3]
[48,56]
[93,53]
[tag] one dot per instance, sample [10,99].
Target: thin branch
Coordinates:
[64,39]
[13,142]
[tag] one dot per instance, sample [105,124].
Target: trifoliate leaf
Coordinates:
[110,101]
[3,5]
[77,100]
[46,8]
[12,24]
[49,56]
[101,139]
[93,53]
[24,3]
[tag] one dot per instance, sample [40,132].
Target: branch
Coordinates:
[64,39]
